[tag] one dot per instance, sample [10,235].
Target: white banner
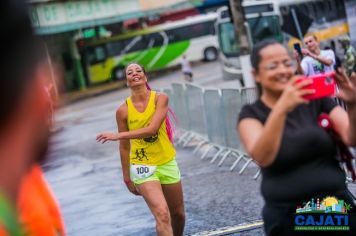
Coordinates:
[52,14]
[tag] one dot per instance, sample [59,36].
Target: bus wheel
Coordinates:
[210,54]
[118,73]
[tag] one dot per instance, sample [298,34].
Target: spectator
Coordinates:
[315,61]
[280,132]
[39,211]
[349,55]
[187,69]
[23,111]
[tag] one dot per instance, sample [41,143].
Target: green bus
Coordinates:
[155,48]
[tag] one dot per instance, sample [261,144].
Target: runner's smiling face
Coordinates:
[135,76]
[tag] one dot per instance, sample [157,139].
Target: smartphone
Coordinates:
[298,49]
[323,84]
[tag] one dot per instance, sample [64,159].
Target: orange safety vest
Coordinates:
[38,209]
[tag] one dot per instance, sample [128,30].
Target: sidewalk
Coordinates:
[75,96]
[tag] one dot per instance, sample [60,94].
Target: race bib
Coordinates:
[141,171]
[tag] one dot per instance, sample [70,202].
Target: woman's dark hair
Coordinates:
[255,54]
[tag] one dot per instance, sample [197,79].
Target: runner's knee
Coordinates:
[162,215]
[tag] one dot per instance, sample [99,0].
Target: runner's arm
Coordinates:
[121,119]
[157,119]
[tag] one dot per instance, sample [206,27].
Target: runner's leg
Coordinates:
[174,197]
[152,193]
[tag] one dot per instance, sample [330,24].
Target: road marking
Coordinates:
[232,229]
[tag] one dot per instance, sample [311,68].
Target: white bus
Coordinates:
[156,47]
[286,21]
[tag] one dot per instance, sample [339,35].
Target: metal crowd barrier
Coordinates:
[207,120]
[210,116]
[181,111]
[216,132]
[232,103]
[195,106]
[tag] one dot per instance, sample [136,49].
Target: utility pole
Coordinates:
[243,41]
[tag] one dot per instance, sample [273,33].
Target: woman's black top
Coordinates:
[305,165]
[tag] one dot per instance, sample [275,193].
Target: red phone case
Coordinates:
[323,84]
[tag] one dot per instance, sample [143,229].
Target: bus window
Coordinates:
[96,54]
[156,39]
[100,54]
[202,29]
[90,55]
[173,36]
[115,48]
[212,28]
[136,44]
[228,43]
[265,27]
[191,31]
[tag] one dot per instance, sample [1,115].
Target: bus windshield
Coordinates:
[227,40]
[265,27]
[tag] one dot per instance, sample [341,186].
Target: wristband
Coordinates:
[127,182]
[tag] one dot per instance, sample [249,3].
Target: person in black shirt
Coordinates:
[280,132]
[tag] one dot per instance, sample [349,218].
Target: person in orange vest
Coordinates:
[25,129]
[23,108]
[38,209]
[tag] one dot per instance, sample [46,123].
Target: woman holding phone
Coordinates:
[280,131]
[147,153]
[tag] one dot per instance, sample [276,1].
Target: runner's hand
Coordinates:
[132,188]
[103,137]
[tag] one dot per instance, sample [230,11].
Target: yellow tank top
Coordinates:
[154,150]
